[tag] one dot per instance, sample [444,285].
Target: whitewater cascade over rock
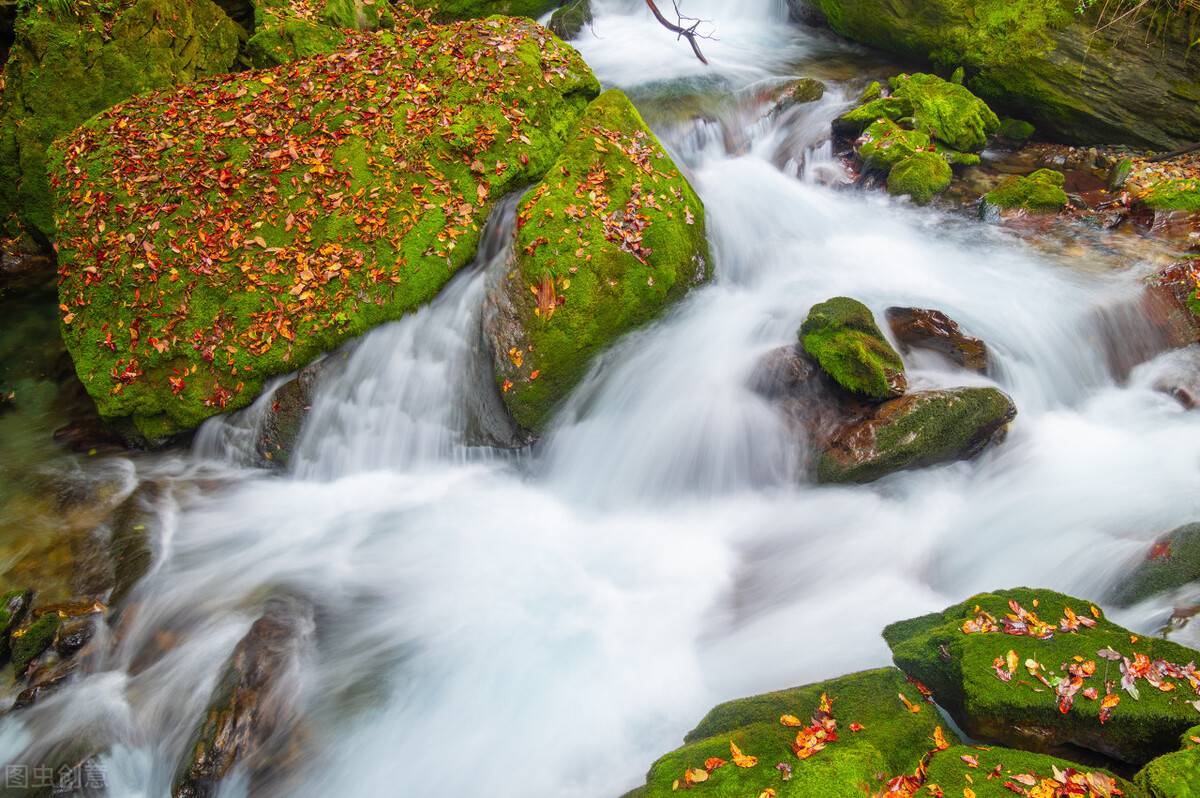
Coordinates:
[491,619]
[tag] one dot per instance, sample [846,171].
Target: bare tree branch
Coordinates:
[681,27]
[1174,154]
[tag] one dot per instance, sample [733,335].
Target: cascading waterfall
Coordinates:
[548,625]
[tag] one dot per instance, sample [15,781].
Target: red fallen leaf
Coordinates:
[1091,693]
[1107,705]
[1160,551]
[534,375]
[857,727]
[971,761]
[712,763]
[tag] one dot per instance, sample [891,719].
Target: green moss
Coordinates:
[1040,192]
[1173,563]
[872,92]
[355,208]
[917,430]
[283,39]
[892,741]
[856,120]
[1016,129]
[34,639]
[949,112]
[805,90]
[1118,176]
[921,176]
[1175,775]
[569,21]
[948,770]
[1174,195]
[445,10]
[842,335]
[62,70]
[958,668]
[610,238]
[884,144]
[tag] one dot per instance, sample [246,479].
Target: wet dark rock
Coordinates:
[1169,563]
[74,634]
[24,264]
[280,431]
[250,712]
[129,546]
[918,328]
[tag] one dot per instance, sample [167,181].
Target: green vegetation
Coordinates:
[1040,192]
[214,237]
[947,111]
[570,20]
[605,243]
[921,176]
[887,144]
[841,334]
[1175,775]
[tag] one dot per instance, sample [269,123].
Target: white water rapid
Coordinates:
[550,623]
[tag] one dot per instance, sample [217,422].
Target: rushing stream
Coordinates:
[548,623]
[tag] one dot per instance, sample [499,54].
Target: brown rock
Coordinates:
[918,328]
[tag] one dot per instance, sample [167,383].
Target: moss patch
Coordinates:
[1174,195]
[1040,192]
[842,335]
[1175,775]
[445,10]
[214,237]
[892,741]
[569,21]
[27,643]
[610,238]
[954,775]
[958,653]
[921,176]
[1016,130]
[63,69]
[1170,564]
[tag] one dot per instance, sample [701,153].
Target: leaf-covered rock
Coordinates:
[216,236]
[990,772]
[609,239]
[446,10]
[877,736]
[285,30]
[1171,563]
[842,335]
[916,430]
[65,67]
[1174,775]
[1073,678]
[1039,192]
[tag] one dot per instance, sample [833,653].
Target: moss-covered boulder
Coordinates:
[921,176]
[610,238]
[570,20]
[446,10]
[846,736]
[1174,775]
[916,430]
[885,144]
[1016,130]
[67,66]
[285,30]
[1172,562]
[1100,77]
[988,772]
[213,237]
[1173,195]
[1042,671]
[841,334]
[1039,192]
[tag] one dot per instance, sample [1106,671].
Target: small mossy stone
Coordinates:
[569,21]
[1040,192]
[1174,775]
[959,667]
[1173,563]
[1017,130]
[1118,176]
[959,76]
[34,639]
[885,144]
[948,111]
[921,176]
[805,90]
[583,278]
[873,91]
[1174,195]
[891,742]
[952,770]
[841,334]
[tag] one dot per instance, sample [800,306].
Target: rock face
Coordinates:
[249,711]
[1080,78]
[918,429]
[797,744]
[1040,192]
[213,237]
[919,328]
[963,656]
[1172,562]
[63,68]
[842,336]
[610,238]
[1174,775]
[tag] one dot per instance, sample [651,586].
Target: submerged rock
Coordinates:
[290,212]
[1049,693]
[1039,192]
[1098,77]
[611,238]
[250,710]
[863,737]
[1174,775]
[804,90]
[919,328]
[842,336]
[916,430]
[65,66]
[1172,562]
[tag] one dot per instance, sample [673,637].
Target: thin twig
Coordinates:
[690,33]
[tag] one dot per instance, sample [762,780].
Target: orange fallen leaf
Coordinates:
[790,720]
[913,708]
[740,759]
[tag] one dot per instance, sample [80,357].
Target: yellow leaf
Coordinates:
[740,759]
[790,720]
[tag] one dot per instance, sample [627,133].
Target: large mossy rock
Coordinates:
[1173,195]
[962,768]
[1174,775]
[213,237]
[962,655]
[891,742]
[1081,78]
[64,68]
[841,334]
[1039,192]
[446,10]
[286,30]
[1171,563]
[920,429]
[610,238]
